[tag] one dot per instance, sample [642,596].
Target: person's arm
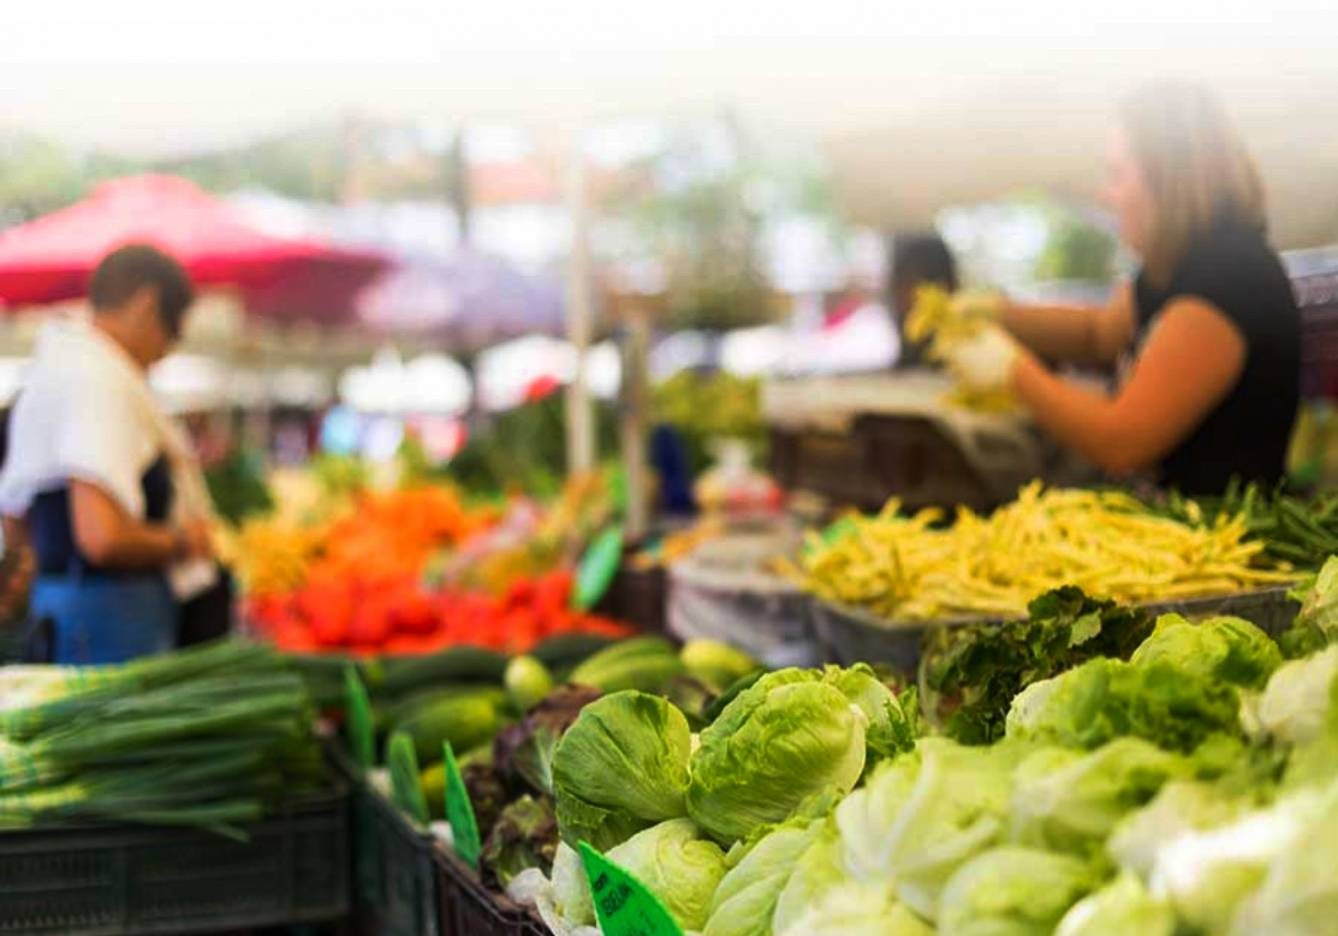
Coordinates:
[108,536]
[1191,360]
[1075,334]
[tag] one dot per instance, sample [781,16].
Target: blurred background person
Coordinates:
[915,259]
[1208,331]
[98,480]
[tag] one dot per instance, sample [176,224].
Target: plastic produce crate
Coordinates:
[119,879]
[467,908]
[394,878]
[852,635]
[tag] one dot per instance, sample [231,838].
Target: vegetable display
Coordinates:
[1131,776]
[1106,543]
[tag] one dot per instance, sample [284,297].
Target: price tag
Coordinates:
[460,813]
[358,720]
[623,905]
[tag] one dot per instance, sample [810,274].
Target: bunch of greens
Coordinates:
[969,676]
[204,737]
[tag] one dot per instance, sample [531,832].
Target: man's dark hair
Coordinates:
[921,257]
[128,269]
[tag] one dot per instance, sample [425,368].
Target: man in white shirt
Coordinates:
[94,473]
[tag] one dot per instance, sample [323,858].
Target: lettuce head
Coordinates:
[866,816]
[1121,908]
[858,910]
[1295,707]
[1299,893]
[745,901]
[1181,808]
[787,738]
[1014,891]
[1229,649]
[621,767]
[818,871]
[680,868]
[1070,801]
[956,808]
[1104,699]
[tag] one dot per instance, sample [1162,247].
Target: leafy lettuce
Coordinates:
[1014,891]
[1227,649]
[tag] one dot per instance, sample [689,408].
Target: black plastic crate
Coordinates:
[467,908]
[394,878]
[120,879]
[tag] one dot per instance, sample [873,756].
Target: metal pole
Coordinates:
[580,417]
[635,393]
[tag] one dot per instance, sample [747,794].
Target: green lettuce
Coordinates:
[858,910]
[1227,649]
[1183,807]
[957,808]
[892,722]
[1317,625]
[680,868]
[1107,699]
[1296,706]
[745,901]
[1207,875]
[620,768]
[1299,894]
[1121,908]
[818,871]
[1013,891]
[1070,801]
[571,901]
[787,738]
[865,818]
[971,674]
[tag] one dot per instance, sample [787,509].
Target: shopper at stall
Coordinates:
[98,479]
[1208,328]
[916,259]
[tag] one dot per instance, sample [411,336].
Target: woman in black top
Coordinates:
[1209,328]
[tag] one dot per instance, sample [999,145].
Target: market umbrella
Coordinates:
[51,258]
[469,299]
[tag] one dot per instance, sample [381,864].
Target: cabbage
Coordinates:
[1071,801]
[1206,875]
[1317,625]
[1013,891]
[858,910]
[675,865]
[1295,705]
[787,738]
[956,809]
[1183,807]
[621,767]
[1121,908]
[745,901]
[1299,895]
[1105,699]
[818,871]
[1228,649]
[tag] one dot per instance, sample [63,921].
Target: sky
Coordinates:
[166,76]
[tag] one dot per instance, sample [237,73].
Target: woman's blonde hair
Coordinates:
[1195,165]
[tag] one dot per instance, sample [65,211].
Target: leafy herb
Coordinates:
[969,675]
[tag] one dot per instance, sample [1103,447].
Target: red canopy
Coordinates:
[50,259]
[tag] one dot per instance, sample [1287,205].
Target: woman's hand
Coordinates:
[985,361]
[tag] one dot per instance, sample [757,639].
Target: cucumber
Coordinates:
[567,650]
[644,663]
[394,676]
[467,720]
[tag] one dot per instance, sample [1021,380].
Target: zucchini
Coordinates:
[566,650]
[395,676]
[644,663]
[467,720]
